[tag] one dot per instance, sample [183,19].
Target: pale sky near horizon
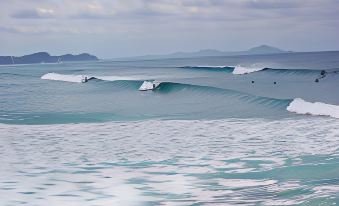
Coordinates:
[118,28]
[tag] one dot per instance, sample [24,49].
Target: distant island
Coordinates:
[263,49]
[44,57]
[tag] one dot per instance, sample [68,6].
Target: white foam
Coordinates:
[108,164]
[149,85]
[301,106]
[245,70]
[64,77]
[80,78]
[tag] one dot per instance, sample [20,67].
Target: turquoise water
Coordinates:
[205,136]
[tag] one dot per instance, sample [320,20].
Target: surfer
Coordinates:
[84,79]
[149,85]
[322,75]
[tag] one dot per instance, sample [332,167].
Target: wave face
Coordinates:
[101,100]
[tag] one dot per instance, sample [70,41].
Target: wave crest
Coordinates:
[240,70]
[245,70]
[227,69]
[80,78]
[301,106]
[64,77]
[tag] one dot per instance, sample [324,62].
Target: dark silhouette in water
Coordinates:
[84,79]
[323,74]
[252,82]
[275,83]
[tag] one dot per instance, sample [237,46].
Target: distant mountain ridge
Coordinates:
[44,57]
[263,49]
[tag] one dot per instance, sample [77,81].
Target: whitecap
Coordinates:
[245,70]
[301,106]
[80,78]
[149,85]
[64,77]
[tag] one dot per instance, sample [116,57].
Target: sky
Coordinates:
[120,28]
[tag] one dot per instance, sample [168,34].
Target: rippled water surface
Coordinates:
[205,136]
[217,162]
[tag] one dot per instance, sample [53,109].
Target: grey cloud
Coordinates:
[187,24]
[34,14]
[272,4]
[87,15]
[7,29]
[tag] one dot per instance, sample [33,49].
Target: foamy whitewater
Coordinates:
[245,70]
[149,85]
[300,106]
[80,78]
[166,132]
[148,162]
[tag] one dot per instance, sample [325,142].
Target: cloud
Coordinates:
[38,13]
[272,4]
[7,29]
[187,24]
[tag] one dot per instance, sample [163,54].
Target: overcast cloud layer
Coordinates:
[115,28]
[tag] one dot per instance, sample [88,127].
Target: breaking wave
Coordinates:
[63,77]
[241,70]
[301,106]
[245,70]
[227,69]
[129,83]
[80,78]
[298,105]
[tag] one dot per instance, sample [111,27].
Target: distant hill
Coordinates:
[44,57]
[263,49]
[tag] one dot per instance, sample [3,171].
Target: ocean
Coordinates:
[244,130]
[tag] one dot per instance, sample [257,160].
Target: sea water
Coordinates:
[215,131]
